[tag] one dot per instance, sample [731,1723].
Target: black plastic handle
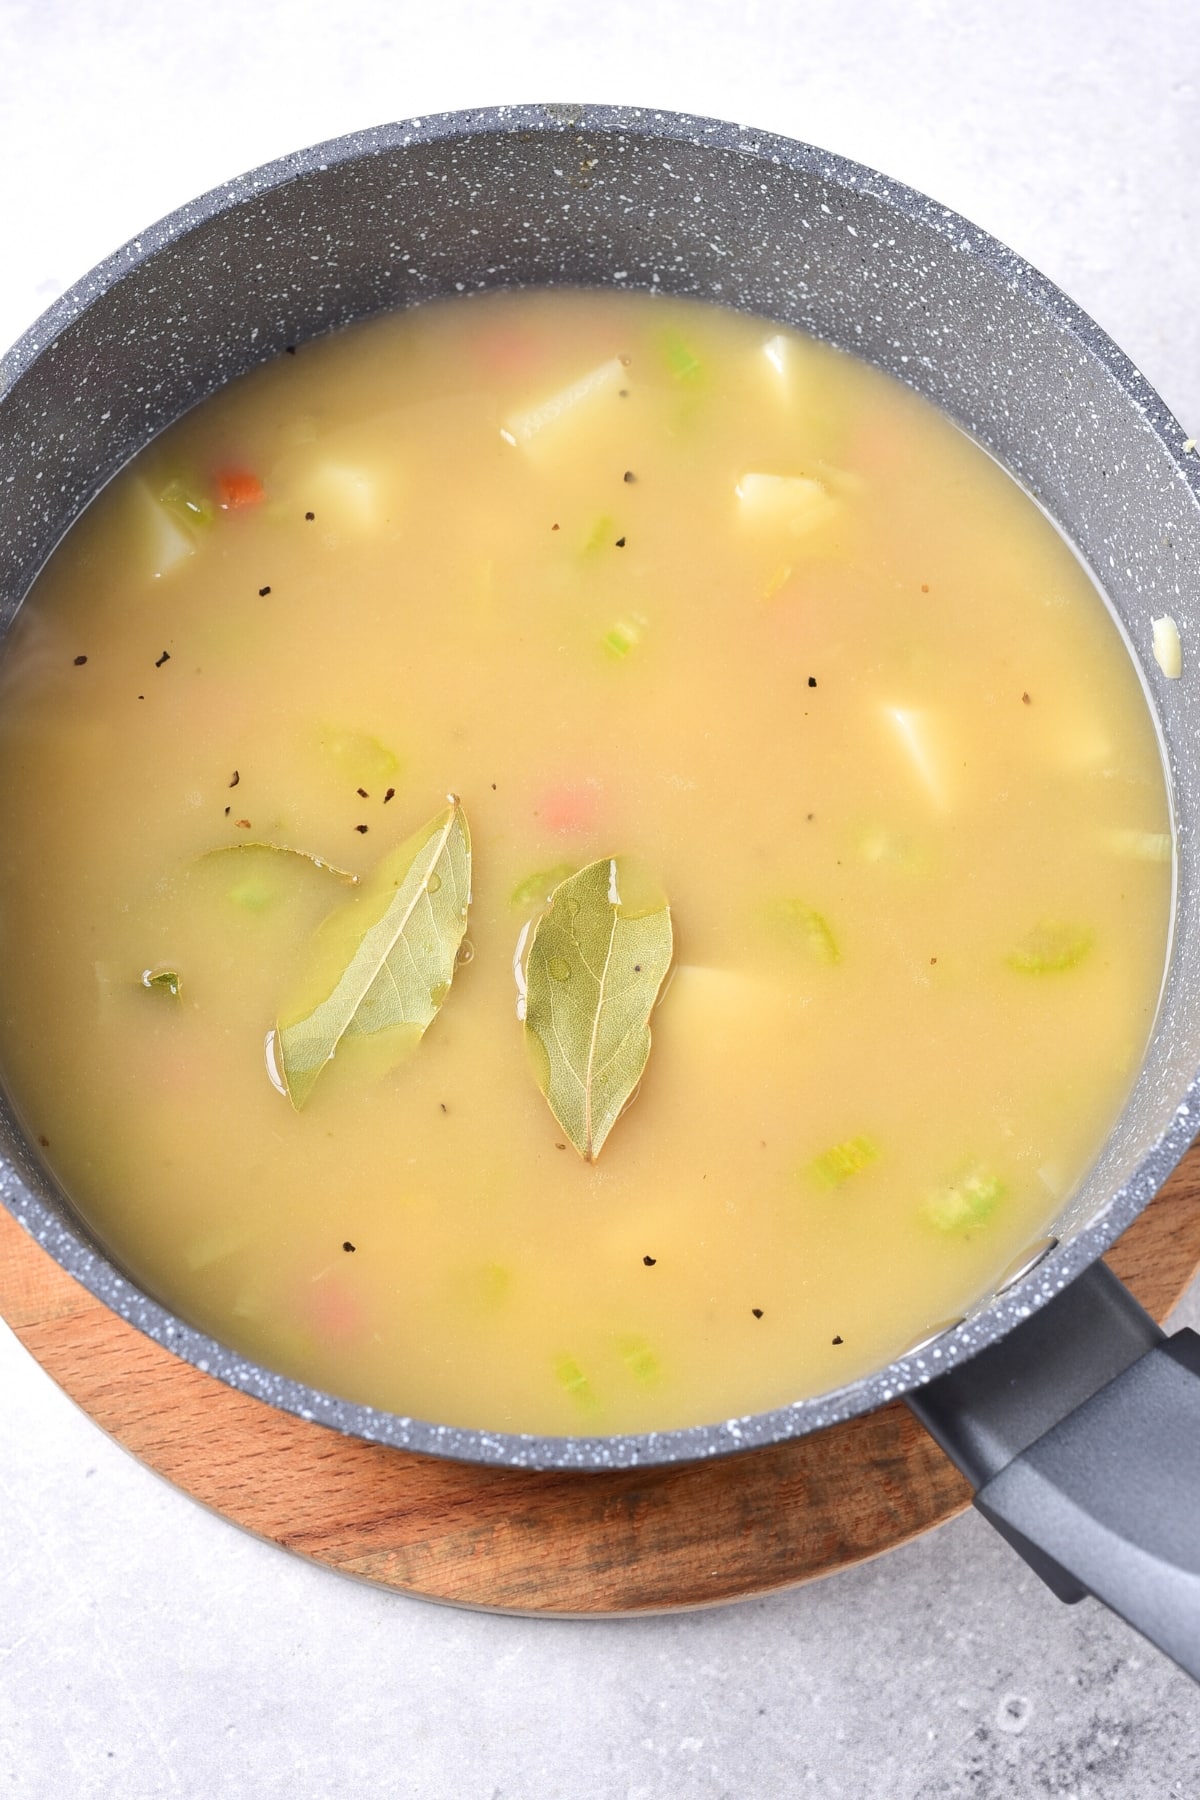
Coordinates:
[1080,1431]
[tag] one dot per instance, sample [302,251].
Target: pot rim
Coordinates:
[954,1345]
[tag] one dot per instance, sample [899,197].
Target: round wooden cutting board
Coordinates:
[640,1540]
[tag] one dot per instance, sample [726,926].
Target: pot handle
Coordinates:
[1080,1431]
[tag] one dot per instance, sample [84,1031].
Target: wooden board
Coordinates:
[567,1544]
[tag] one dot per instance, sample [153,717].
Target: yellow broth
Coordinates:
[629,576]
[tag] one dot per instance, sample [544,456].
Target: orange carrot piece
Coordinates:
[237,488]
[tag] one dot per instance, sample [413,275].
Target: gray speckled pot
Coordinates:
[594,195]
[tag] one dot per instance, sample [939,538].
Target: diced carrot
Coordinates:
[571,807]
[336,1314]
[237,488]
[510,352]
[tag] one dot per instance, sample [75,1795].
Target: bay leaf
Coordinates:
[381,966]
[596,963]
[318,862]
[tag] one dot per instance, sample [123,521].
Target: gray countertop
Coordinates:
[146,1648]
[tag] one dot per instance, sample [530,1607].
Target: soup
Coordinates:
[631,579]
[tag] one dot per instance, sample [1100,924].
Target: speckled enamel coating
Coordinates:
[596,195]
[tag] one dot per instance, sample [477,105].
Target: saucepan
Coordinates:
[1076,1420]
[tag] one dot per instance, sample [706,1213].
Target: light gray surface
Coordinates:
[145,1648]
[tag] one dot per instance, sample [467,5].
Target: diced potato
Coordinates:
[216,1245]
[968,1200]
[892,850]
[345,497]
[706,1004]
[163,541]
[520,428]
[794,503]
[916,734]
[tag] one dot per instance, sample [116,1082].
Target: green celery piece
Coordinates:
[838,1164]
[186,504]
[573,1380]
[604,532]
[624,636]
[358,756]
[382,964]
[639,1358]
[1050,948]
[162,981]
[968,1200]
[810,929]
[494,1281]
[253,896]
[537,888]
[680,358]
[597,961]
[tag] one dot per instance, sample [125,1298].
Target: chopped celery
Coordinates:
[537,888]
[810,929]
[639,1358]
[1051,947]
[253,895]
[603,533]
[573,1381]
[483,1287]
[680,358]
[624,636]
[186,504]
[358,756]
[837,1164]
[163,981]
[968,1200]
[1139,846]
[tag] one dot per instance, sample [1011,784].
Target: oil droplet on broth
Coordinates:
[559,970]
[433,884]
